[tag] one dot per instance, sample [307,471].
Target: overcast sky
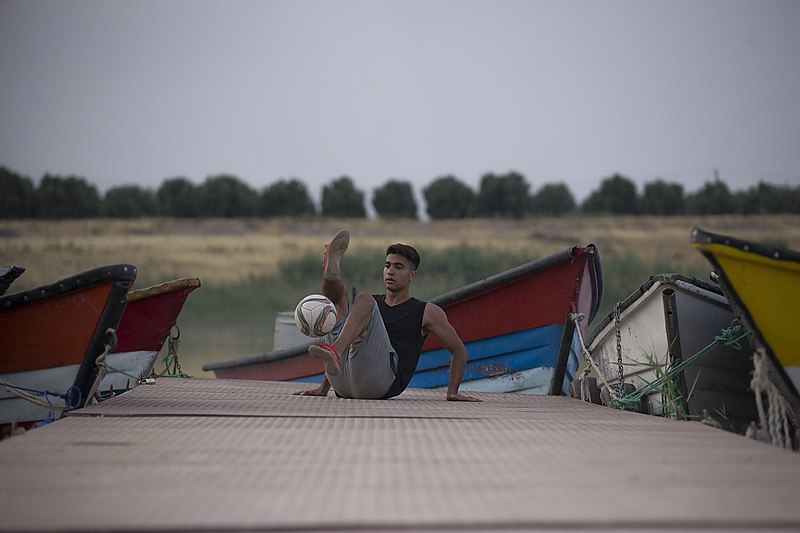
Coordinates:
[134,92]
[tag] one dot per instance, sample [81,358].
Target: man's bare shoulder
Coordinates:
[433,314]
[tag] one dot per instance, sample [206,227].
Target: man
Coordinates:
[373,350]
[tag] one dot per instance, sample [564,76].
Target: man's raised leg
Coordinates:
[333,287]
[357,322]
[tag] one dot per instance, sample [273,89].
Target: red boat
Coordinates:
[51,338]
[517,326]
[151,314]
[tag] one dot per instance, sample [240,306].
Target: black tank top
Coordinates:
[404,326]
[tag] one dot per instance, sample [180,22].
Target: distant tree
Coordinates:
[17,195]
[616,195]
[67,197]
[286,198]
[447,197]
[503,196]
[773,199]
[662,198]
[553,199]
[746,202]
[340,198]
[129,201]
[177,198]
[226,196]
[395,199]
[794,200]
[714,198]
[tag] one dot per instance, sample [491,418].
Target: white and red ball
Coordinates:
[315,315]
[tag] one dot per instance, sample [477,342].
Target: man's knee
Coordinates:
[364,299]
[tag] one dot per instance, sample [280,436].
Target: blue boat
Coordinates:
[518,327]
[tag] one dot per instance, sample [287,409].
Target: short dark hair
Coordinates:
[404,250]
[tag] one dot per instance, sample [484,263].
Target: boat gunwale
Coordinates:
[776,253]
[443,300]
[663,279]
[163,288]
[116,272]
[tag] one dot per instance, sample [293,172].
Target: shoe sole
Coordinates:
[327,358]
[336,250]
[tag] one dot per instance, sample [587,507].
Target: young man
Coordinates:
[374,348]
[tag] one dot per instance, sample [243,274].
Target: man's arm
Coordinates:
[322,390]
[435,322]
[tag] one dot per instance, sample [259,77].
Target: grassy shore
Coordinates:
[252,268]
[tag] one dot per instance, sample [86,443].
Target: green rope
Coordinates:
[729,337]
[172,367]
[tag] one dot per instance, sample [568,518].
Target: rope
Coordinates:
[100,363]
[32,395]
[72,397]
[172,367]
[774,421]
[585,393]
[122,372]
[728,336]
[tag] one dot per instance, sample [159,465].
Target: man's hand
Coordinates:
[322,390]
[311,392]
[456,397]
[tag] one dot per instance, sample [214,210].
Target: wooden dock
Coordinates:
[221,455]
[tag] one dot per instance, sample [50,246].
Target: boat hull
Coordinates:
[763,286]
[516,326]
[52,336]
[668,316]
[150,316]
[19,410]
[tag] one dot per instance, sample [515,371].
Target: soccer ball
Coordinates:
[315,315]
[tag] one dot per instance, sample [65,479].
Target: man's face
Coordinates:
[397,272]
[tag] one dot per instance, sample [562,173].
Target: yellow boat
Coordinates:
[762,284]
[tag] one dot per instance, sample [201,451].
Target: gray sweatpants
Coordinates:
[365,368]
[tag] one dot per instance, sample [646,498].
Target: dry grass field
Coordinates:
[232,250]
[233,312]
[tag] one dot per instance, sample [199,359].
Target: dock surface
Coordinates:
[224,455]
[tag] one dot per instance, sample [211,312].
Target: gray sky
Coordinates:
[124,92]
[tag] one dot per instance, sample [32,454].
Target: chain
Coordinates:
[172,367]
[729,337]
[621,384]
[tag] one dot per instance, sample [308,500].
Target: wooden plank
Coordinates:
[237,455]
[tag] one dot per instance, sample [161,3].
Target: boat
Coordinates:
[762,283]
[7,276]
[52,336]
[519,328]
[148,321]
[662,325]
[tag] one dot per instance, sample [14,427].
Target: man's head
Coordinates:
[404,250]
[400,268]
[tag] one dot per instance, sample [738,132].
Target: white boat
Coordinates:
[666,321]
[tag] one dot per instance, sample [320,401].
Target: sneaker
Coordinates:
[333,254]
[328,355]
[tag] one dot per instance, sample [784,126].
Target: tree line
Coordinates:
[446,197]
